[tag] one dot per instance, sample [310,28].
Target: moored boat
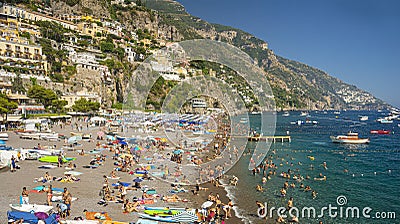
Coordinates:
[385,121]
[380,132]
[363,118]
[350,138]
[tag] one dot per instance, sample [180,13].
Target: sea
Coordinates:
[363,180]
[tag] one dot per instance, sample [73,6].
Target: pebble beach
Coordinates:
[86,190]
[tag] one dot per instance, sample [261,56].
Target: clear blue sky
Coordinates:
[357,41]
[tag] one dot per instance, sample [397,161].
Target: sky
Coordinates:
[357,41]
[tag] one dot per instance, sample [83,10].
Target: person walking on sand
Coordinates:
[25,196]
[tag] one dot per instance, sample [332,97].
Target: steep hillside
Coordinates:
[147,25]
[295,85]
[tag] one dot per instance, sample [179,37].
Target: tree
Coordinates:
[107,46]
[57,106]
[6,106]
[17,85]
[84,105]
[42,95]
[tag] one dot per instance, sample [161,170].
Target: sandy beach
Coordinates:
[90,183]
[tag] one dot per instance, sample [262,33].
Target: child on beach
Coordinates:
[25,196]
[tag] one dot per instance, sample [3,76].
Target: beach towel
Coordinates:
[125,184]
[40,188]
[146,202]
[97,216]
[175,191]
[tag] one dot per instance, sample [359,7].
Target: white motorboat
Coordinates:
[363,118]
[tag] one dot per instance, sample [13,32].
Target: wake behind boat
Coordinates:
[350,138]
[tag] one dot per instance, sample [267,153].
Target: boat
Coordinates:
[384,121]
[303,114]
[380,132]
[4,136]
[286,114]
[336,112]
[31,208]
[350,138]
[363,118]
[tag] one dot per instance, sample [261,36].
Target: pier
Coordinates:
[282,138]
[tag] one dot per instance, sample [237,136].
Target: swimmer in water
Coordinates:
[314,194]
[324,165]
[264,180]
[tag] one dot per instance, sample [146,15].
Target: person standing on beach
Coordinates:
[49,191]
[13,165]
[68,202]
[25,196]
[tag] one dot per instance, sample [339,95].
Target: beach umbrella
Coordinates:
[100,133]
[137,148]
[110,137]
[137,179]
[123,143]
[184,217]
[74,139]
[2,142]
[207,204]
[178,151]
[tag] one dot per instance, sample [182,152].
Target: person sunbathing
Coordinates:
[131,207]
[172,198]
[113,174]
[146,196]
[108,197]
[47,176]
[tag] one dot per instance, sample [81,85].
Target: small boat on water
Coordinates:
[384,121]
[363,118]
[303,114]
[380,132]
[350,138]
[286,114]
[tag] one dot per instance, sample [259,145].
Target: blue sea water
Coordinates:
[372,178]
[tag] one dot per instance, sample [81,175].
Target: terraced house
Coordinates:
[19,53]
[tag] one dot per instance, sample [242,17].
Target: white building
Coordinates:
[130,54]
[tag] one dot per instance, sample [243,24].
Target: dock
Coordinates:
[282,138]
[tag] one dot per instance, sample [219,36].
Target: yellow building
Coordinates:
[90,29]
[71,98]
[21,13]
